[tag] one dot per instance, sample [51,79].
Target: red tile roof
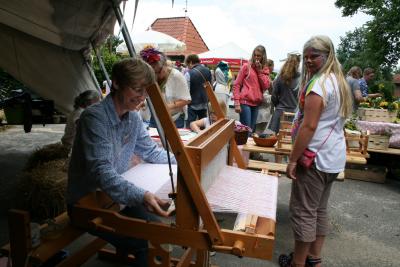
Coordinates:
[183,29]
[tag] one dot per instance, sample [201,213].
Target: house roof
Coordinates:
[183,29]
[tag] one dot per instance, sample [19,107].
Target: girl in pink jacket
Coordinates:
[250,84]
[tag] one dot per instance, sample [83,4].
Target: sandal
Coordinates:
[312,262]
[285,260]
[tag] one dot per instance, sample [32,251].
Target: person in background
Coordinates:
[105,89]
[285,90]
[81,102]
[250,84]
[265,110]
[198,125]
[196,77]
[324,104]
[272,73]
[396,82]
[353,75]
[107,136]
[178,66]
[368,76]
[222,79]
[172,84]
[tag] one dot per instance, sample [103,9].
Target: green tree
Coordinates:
[109,55]
[382,33]
[353,51]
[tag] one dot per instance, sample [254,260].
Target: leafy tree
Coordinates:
[382,33]
[109,56]
[352,50]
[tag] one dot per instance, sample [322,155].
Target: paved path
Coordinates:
[365,216]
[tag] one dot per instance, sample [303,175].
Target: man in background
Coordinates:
[196,77]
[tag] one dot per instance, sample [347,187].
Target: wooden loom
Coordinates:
[191,202]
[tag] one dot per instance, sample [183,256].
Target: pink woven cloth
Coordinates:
[379,128]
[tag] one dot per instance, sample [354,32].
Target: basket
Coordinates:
[241,137]
[379,142]
[265,142]
[373,114]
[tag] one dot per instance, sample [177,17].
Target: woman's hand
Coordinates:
[258,65]
[238,109]
[291,170]
[155,205]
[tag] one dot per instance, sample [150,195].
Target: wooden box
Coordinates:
[380,142]
[368,173]
[374,114]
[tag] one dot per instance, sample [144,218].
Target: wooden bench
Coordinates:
[277,167]
[20,249]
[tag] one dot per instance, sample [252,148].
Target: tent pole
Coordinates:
[101,63]
[93,76]
[131,50]
[125,32]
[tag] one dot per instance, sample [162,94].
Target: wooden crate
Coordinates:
[374,114]
[356,144]
[380,142]
[368,173]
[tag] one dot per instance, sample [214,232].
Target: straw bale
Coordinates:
[47,153]
[43,189]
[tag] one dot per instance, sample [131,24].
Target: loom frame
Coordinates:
[191,202]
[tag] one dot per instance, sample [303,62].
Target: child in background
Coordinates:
[198,125]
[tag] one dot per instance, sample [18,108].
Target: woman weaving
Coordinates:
[324,103]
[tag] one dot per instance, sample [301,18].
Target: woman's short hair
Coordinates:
[86,98]
[368,71]
[192,59]
[355,72]
[131,72]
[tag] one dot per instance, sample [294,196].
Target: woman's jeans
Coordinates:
[248,116]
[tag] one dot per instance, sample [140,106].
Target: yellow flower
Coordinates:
[381,86]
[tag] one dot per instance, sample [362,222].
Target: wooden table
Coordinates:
[391,151]
[250,146]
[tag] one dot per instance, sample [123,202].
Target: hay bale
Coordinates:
[47,153]
[43,189]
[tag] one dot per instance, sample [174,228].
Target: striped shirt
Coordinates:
[103,148]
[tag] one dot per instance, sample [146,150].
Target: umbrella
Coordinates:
[163,42]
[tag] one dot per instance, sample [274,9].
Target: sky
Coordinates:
[282,26]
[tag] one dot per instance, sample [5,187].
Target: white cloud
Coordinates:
[282,26]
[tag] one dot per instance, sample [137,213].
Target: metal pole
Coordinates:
[93,76]
[101,63]
[125,32]
[131,50]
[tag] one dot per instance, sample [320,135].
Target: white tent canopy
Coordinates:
[229,50]
[163,42]
[44,43]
